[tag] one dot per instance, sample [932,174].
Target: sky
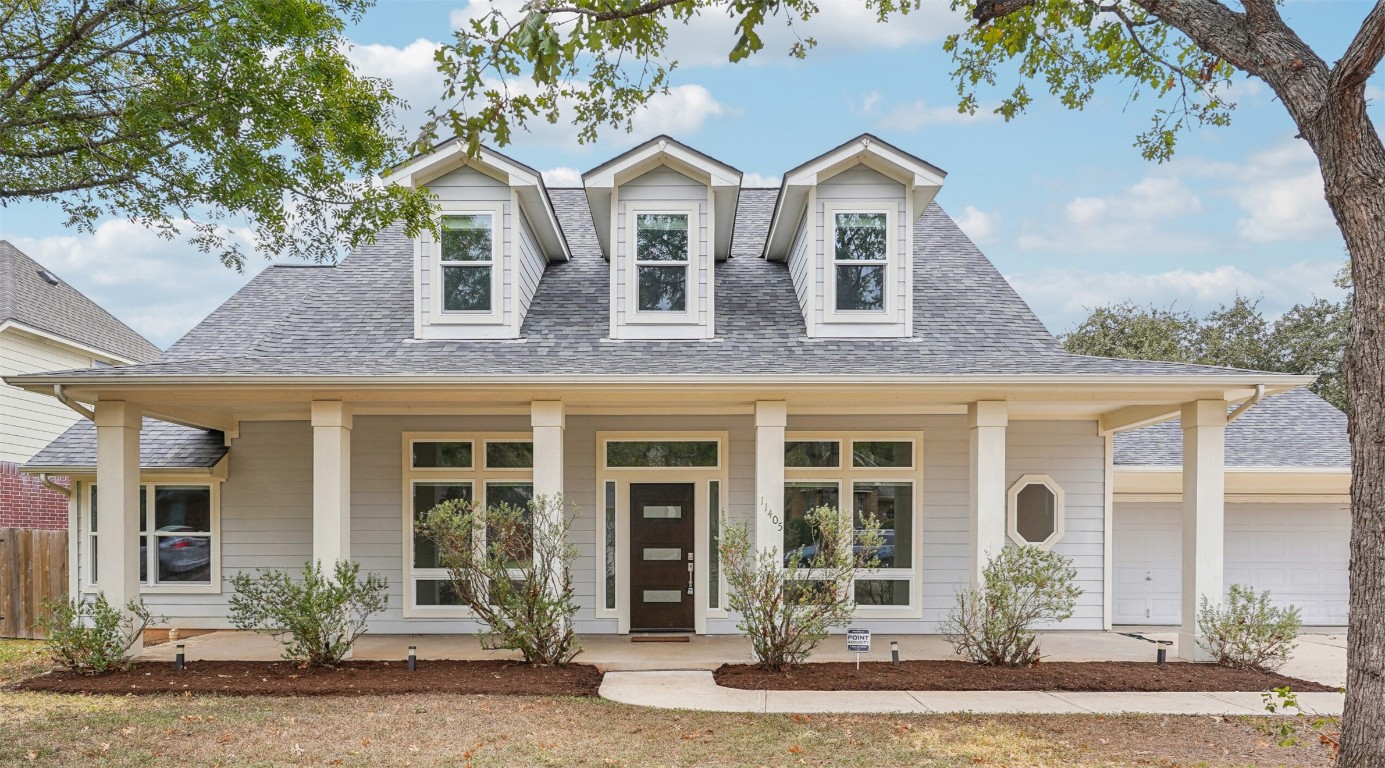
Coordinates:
[1060,201]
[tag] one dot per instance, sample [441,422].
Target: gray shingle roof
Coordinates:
[357,319]
[26,297]
[162,446]
[1293,429]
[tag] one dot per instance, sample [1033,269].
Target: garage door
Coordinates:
[1298,552]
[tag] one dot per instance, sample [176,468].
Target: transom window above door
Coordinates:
[663,254]
[467,258]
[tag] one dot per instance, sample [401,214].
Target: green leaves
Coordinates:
[193,116]
[317,617]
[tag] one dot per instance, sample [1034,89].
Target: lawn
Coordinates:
[440,729]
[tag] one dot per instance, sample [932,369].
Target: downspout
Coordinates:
[1247,405]
[82,410]
[52,486]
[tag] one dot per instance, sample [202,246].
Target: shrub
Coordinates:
[1020,587]
[1246,631]
[784,613]
[92,636]
[518,581]
[317,618]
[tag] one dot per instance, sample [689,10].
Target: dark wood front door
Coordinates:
[661,557]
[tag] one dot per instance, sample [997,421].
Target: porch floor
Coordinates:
[618,653]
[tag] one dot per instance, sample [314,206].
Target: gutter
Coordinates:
[81,410]
[52,486]
[1248,404]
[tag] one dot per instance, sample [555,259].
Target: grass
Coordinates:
[53,729]
[494,731]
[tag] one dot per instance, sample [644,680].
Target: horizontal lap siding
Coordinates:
[530,267]
[1073,454]
[29,421]
[800,259]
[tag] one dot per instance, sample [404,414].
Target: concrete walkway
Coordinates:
[697,690]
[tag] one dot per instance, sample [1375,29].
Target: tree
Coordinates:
[1308,339]
[602,59]
[197,115]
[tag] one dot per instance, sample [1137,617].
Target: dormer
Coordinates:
[498,233]
[664,214]
[844,222]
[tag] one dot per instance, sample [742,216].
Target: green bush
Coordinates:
[92,636]
[1246,631]
[518,580]
[1020,587]
[784,613]
[317,618]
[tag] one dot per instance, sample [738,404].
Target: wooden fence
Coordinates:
[33,568]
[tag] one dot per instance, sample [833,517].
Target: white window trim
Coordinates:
[82,497]
[829,241]
[693,266]
[478,476]
[845,477]
[1012,510]
[700,477]
[437,315]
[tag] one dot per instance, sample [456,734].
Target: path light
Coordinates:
[894,652]
[413,659]
[1161,656]
[179,660]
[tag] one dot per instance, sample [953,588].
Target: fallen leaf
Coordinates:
[795,750]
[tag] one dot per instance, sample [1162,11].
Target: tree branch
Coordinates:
[1364,53]
[649,8]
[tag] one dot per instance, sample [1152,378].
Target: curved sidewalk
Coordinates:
[697,690]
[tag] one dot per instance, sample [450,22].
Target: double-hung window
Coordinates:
[663,260]
[180,549]
[860,253]
[468,267]
[874,477]
[490,469]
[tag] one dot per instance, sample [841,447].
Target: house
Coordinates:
[45,325]
[1288,511]
[658,346]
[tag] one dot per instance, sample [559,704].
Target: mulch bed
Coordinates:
[352,678]
[964,676]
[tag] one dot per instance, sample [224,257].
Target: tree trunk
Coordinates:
[1353,165]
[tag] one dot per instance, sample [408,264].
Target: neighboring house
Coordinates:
[661,347]
[45,325]
[1288,511]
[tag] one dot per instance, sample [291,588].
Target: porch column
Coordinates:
[117,475]
[986,422]
[771,416]
[1204,487]
[548,420]
[331,482]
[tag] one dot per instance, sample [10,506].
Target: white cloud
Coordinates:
[1062,297]
[412,71]
[562,177]
[1281,192]
[839,27]
[682,110]
[916,115]
[1145,216]
[161,288]
[760,180]
[979,225]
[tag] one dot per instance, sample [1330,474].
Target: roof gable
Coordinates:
[34,297]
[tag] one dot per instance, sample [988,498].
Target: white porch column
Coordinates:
[1204,487]
[986,421]
[331,482]
[771,416]
[117,475]
[548,419]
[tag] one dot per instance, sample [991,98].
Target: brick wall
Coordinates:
[26,503]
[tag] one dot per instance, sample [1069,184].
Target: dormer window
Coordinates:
[844,226]
[497,232]
[861,260]
[467,256]
[663,253]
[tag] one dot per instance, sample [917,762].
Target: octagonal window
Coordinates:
[1035,511]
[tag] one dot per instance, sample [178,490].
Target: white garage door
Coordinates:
[1296,551]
